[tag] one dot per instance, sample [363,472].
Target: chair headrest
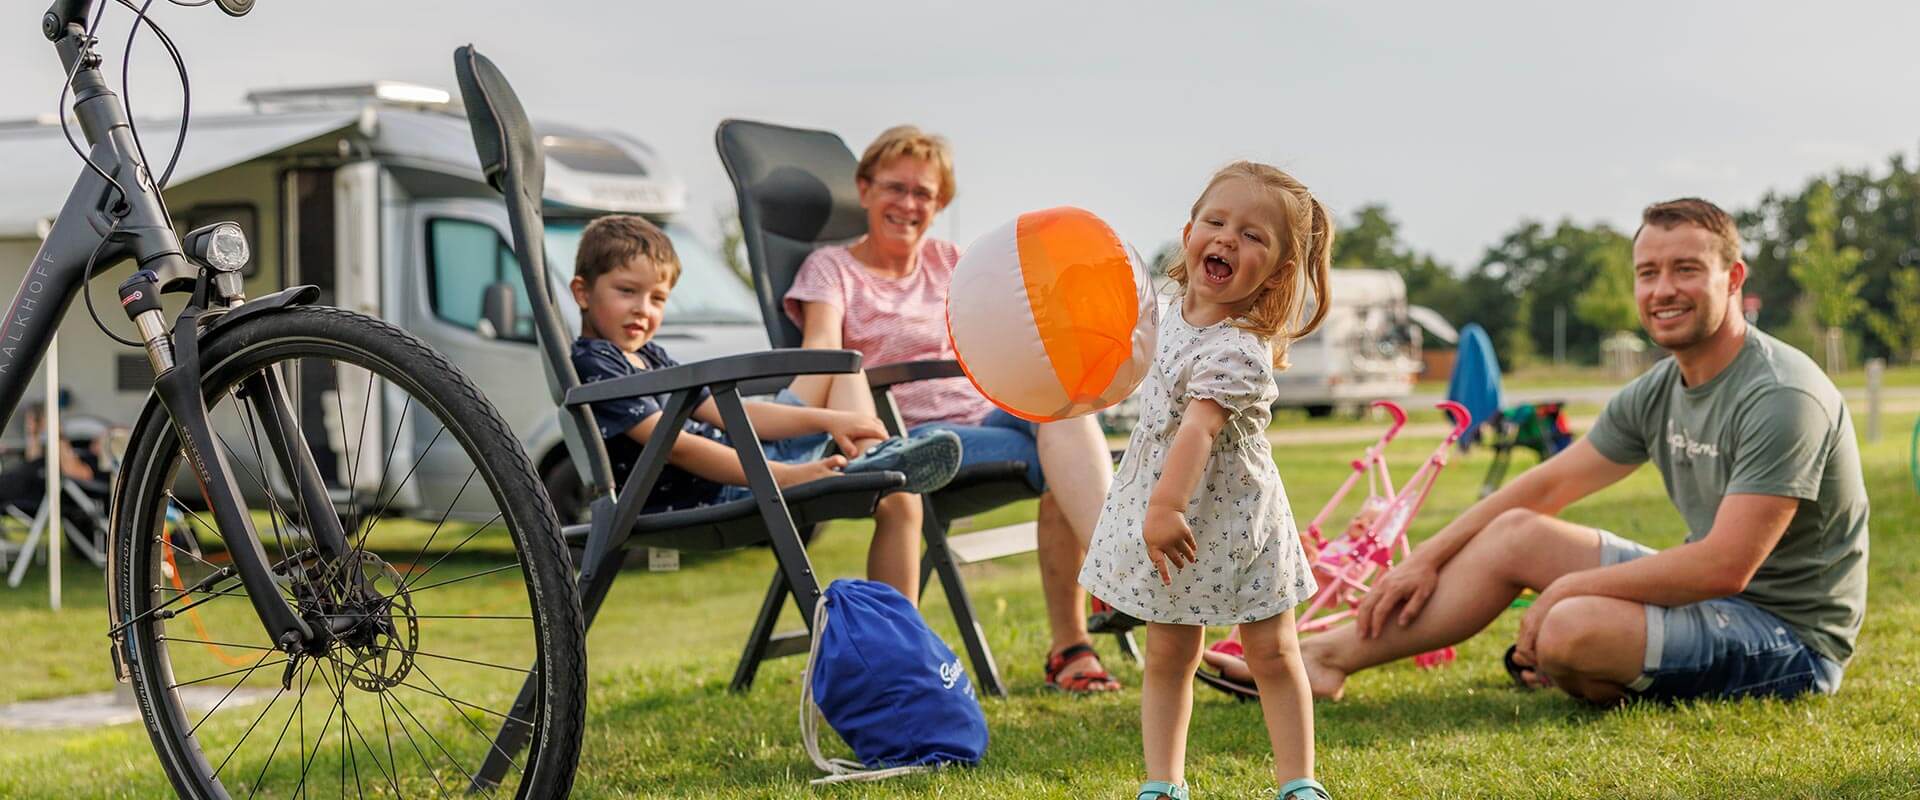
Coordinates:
[502,134]
[798,181]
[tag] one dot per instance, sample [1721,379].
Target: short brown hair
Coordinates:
[907,141]
[615,240]
[1699,213]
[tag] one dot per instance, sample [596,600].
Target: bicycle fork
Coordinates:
[175,358]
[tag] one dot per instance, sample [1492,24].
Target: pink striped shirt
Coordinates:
[893,320]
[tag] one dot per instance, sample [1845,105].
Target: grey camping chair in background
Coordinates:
[514,162]
[796,192]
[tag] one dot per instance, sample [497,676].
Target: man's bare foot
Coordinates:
[1327,681]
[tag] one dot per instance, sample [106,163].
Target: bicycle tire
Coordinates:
[390,649]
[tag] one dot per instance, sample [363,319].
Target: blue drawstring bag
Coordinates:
[892,690]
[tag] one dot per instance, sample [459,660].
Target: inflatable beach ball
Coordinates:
[1052,316]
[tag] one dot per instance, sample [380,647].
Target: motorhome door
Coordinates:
[332,242]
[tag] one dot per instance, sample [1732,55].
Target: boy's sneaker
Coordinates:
[929,460]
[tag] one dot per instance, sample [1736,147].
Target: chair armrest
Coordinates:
[731,369]
[883,377]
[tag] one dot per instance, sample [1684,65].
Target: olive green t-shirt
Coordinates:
[1771,423]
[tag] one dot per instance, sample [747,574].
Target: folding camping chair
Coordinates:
[1540,427]
[83,503]
[514,163]
[796,192]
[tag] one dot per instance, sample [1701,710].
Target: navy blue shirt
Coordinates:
[598,360]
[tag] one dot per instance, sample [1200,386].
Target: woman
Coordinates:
[885,296]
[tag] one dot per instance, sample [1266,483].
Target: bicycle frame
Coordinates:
[101,227]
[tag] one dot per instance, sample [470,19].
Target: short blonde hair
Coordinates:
[908,141]
[1304,255]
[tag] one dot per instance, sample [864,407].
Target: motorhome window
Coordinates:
[242,214]
[592,155]
[463,259]
[708,292]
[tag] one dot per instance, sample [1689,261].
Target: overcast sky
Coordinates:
[1463,118]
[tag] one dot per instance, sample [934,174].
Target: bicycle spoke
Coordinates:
[385,703]
[480,574]
[298,710]
[386,464]
[520,670]
[223,698]
[435,533]
[436,740]
[422,574]
[223,674]
[456,702]
[216,644]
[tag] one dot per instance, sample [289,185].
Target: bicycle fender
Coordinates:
[290,296]
[154,413]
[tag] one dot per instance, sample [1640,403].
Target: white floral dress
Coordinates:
[1249,566]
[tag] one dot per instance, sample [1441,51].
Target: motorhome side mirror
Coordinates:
[497,310]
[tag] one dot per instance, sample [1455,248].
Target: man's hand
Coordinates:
[1169,540]
[1536,616]
[847,428]
[1404,588]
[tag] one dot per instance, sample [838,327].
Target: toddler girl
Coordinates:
[1197,530]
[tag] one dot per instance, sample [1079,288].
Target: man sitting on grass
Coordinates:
[1757,452]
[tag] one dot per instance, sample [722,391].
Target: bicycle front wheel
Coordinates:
[454,593]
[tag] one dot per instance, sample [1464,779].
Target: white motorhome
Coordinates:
[1368,347]
[374,194]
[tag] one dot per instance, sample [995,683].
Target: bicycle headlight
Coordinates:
[221,246]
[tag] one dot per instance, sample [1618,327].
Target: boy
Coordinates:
[624,270]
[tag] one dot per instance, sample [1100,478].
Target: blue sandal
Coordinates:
[1303,789]
[1153,789]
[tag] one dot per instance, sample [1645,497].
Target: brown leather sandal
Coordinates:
[1093,682]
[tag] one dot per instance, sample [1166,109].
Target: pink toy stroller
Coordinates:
[1348,563]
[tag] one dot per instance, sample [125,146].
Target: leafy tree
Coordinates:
[1539,270]
[1828,272]
[1900,328]
[1607,303]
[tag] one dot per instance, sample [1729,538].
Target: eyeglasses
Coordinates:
[895,190]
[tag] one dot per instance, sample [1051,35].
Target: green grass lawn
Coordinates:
[661,723]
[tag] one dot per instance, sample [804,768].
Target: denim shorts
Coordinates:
[792,450]
[999,437]
[1725,647]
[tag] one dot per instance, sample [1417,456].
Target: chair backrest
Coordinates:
[514,163]
[796,192]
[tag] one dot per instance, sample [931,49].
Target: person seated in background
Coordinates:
[624,270]
[24,486]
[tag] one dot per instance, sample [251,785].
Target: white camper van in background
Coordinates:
[1368,347]
[374,194]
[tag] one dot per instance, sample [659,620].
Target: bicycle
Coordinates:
[250,433]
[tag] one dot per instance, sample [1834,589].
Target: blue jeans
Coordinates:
[1725,647]
[999,437]
[792,450]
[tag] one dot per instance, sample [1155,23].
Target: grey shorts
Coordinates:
[1724,647]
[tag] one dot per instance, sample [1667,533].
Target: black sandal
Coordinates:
[1514,669]
[1243,692]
